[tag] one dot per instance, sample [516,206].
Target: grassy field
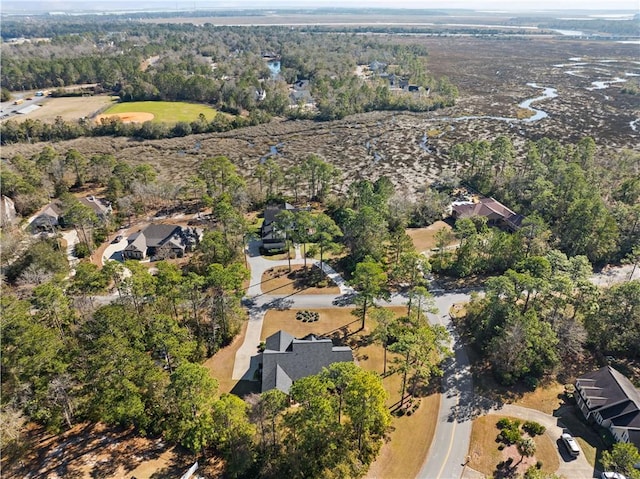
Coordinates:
[164,111]
[425,238]
[485,455]
[279,281]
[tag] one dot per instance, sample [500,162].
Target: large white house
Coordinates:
[609,399]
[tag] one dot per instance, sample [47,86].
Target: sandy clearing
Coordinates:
[129,117]
[70,108]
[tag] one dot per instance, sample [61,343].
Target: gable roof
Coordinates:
[279,341]
[608,386]
[271,211]
[98,207]
[287,359]
[156,234]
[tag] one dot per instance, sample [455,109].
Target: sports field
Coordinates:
[159,111]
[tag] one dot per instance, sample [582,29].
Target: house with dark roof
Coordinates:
[286,359]
[609,399]
[48,218]
[100,208]
[272,238]
[496,213]
[167,241]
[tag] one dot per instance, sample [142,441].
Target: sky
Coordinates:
[499,5]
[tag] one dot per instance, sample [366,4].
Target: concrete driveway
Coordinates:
[570,467]
[114,250]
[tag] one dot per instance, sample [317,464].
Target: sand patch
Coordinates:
[129,117]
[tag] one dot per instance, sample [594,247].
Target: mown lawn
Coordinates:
[484,453]
[165,111]
[411,436]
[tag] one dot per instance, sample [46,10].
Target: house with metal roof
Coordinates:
[609,399]
[286,359]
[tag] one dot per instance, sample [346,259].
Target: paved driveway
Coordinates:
[573,468]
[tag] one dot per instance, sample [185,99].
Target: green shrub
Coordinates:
[511,436]
[81,250]
[533,428]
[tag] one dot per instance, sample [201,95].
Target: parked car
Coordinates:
[612,475]
[117,239]
[571,444]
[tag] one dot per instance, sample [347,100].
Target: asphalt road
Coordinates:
[458,406]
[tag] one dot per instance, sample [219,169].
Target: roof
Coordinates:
[156,234]
[137,242]
[96,205]
[489,208]
[271,211]
[608,384]
[287,359]
[279,341]
[614,398]
[52,209]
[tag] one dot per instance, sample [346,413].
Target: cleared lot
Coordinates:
[71,108]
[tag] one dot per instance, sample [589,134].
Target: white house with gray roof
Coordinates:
[286,359]
[608,398]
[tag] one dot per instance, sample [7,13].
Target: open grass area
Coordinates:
[424,239]
[485,455]
[409,443]
[221,367]
[546,398]
[279,280]
[165,111]
[68,108]
[412,435]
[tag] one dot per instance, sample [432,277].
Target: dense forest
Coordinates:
[124,345]
[221,66]
[132,358]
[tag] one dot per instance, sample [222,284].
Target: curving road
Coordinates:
[458,406]
[447,454]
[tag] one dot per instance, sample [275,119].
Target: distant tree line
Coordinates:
[223,67]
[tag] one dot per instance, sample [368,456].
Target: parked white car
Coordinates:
[612,475]
[571,444]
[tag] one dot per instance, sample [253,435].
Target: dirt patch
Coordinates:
[68,109]
[129,117]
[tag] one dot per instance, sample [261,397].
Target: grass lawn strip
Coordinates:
[221,364]
[545,398]
[277,281]
[409,442]
[165,111]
